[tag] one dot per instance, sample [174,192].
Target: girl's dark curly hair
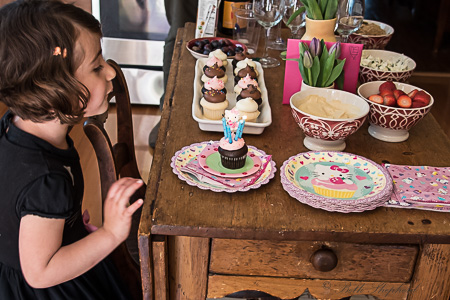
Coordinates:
[34,83]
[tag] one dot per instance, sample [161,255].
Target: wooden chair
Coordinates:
[116,161]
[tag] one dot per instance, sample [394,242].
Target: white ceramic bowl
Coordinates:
[387,123]
[367,74]
[326,133]
[373,41]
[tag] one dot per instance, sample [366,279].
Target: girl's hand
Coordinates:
[117,212]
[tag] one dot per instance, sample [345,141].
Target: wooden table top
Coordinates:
[172,207]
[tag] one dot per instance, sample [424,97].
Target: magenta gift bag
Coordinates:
[293,78]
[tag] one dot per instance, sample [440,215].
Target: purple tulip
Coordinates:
[307,60]
[336,47]
[314,47]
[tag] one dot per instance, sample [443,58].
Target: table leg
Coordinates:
[188,267]
[432,276]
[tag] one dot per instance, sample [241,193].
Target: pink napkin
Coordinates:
[422,187]
[194,168]
[293,78]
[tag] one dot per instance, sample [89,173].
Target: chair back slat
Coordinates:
[115,161]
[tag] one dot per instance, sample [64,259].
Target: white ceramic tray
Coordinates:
[264,119]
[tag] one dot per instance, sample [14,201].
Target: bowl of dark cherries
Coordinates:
[201,47]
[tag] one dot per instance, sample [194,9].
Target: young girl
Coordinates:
[52,74]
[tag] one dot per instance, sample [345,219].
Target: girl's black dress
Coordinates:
[39,179]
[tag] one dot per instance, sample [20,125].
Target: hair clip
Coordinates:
[57,51]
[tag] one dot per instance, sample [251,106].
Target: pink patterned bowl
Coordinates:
[327,133]
[374,73]
[391,124]
[373,41]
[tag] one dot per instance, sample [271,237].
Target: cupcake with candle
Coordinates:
[232,148]
[243,68]
[248,88]
[214,100]
[220,55]
[248,108]
[214,68]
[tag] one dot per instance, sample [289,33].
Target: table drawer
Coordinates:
[365,262]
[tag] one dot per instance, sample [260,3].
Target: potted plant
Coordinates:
[320,66]
[320,19]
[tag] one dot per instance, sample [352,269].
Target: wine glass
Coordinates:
[276,42]
[350,17]
[268,13]
[290,7]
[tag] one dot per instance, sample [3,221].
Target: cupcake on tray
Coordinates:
[248,108]
[214,68]
[248,88]
[214,100]
[237,58]
[220,55]
[243,68]
[232,148]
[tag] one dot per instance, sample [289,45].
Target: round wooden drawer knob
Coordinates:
[324,260]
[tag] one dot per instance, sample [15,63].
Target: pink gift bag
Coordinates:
[293,78]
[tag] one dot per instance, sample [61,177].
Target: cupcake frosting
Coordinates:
[219,54]
[250,92]
[246,62]
[246,81]
[214,70]
[248,70]
[235,145]
[214,84]
[247,105]
[213,60]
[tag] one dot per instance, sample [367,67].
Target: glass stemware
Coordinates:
[350,17]
[276,42]
[290,7]
[268,13]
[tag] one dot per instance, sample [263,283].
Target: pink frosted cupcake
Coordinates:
[248,88]
[214,100]
[214,68]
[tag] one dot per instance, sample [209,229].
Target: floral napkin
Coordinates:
[421,187]
[193,167]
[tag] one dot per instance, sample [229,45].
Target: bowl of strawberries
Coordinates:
[395,108]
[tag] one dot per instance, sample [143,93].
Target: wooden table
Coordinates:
[196,243]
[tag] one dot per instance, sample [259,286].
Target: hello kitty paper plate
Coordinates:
[336,181]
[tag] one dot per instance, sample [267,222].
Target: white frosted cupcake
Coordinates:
[249,108]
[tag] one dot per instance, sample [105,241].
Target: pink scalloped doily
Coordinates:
[187,153]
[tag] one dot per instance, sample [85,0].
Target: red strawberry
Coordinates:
[422,97]
[417,104]
[404,101]
[386,92]
[412,93]
[388,85]
[389,100]
[376,98]
[398,93]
